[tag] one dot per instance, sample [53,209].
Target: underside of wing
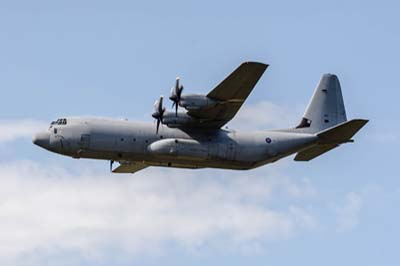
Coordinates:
[230,94]
[129,167]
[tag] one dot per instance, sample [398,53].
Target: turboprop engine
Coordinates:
[170,119]
[196,102]
[180,119]
[189,101]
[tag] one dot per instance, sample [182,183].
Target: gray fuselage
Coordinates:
[121,140]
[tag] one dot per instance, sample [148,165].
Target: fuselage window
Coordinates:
[55,130]
[268,140]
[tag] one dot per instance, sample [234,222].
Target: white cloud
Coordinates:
[48,209]
[348,214]
[11,130]
[265,115]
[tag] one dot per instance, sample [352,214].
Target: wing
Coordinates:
[230,95]
[129,167]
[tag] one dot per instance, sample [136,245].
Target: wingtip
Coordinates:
[255,63]
[361,120]
[364,121]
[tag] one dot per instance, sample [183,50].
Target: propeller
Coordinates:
[176,93]
[111,165]
[159,112]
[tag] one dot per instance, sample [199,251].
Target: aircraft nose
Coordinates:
[42,139]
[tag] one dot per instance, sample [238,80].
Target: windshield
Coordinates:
[60,121]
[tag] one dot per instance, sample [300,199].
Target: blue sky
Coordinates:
[115,58]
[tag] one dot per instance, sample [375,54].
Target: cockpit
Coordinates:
[60,121]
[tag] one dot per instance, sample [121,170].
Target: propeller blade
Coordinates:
[175,96]
[159,112]
[177,83]
[160,102]
[158,126]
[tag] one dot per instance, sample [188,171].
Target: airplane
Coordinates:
[196,138]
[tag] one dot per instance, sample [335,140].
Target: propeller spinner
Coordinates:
[159,112]
[176,93]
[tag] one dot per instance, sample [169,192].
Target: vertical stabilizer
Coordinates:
[326,108]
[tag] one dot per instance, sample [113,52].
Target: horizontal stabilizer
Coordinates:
[341,133]
[332,138]
[311,153]
[129,167]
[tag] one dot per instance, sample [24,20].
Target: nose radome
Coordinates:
[42,139]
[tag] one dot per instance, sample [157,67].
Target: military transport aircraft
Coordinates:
[196,138]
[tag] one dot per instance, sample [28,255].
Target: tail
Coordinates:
[326,108]
[325,117]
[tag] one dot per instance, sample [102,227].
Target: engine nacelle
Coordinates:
[196,102]
[180,148]
[181,119]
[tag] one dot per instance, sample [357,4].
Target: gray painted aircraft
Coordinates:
[195,138]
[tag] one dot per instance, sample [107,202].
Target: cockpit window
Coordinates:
[61,121]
